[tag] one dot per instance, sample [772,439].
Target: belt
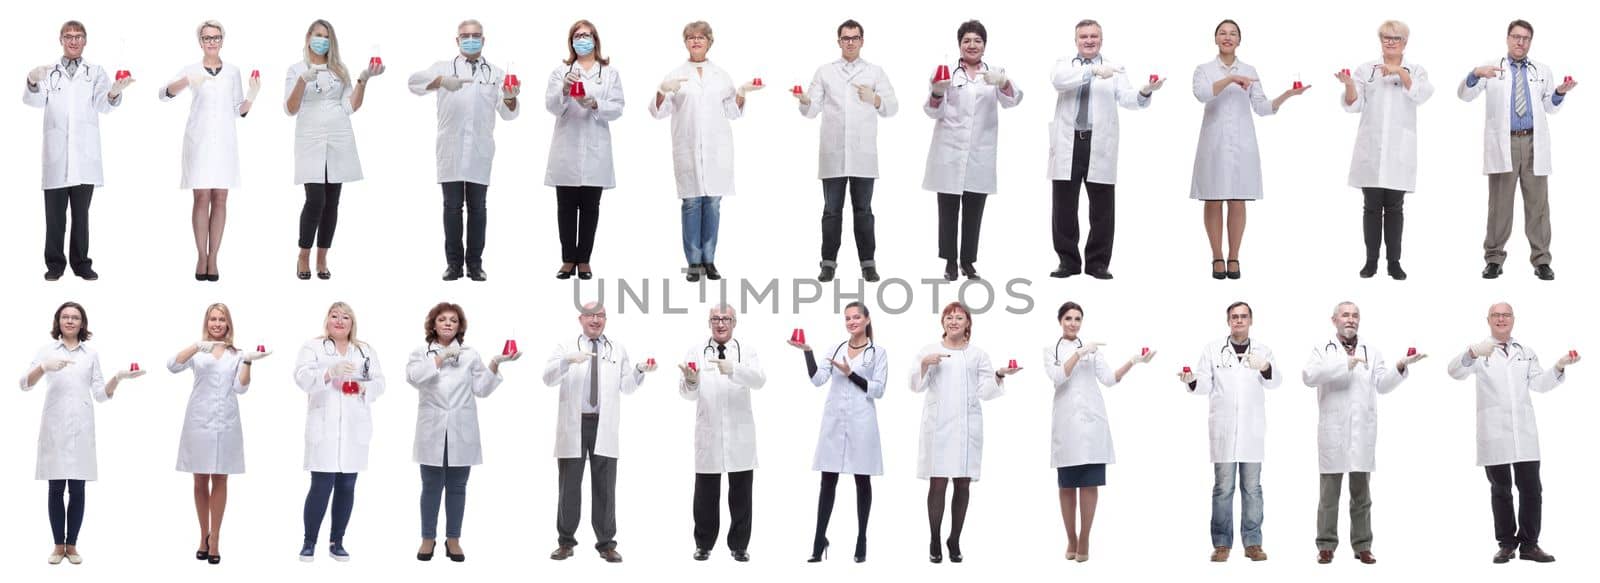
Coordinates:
[1527,132]
[1081,134]
[591,415]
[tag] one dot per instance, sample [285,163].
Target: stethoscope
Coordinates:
[711,346]
[982,66]
[1373,74]
[483,65]
[331,349]
[1530,70]
[1238,357]
[58,72]
[1340,347]
[866,355]
[583,343]
[1057,351]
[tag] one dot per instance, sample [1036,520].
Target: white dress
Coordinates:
[951,438]
[1080,429]
[1227,162]
[213,437]
[210,140]
[848,440]
[66,428]
[324,140]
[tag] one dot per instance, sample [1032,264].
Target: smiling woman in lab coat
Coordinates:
[856,372]
[317,91]
[585,95]
[962,157]
[341,377]
[955,376]
[211,141]
[66,457]
[212,443]
[700,98]
[1386,93]
[450,378]
[1080,431]
[1227,163]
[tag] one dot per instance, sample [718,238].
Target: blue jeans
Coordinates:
[452,482]
[701,217]
[1222,504]
[342,487]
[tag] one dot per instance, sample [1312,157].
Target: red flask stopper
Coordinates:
[1154,77]
[650,361]
[1567,79]
[757,82]
[1570,354]
[1186,370]
[123,74]
[797,90]
[798,336]
[1143,351]
[134,367]
[1411,351]
[255,73]
[376,62]
[261,348]
[693,366]
[1012,363]
[1298,85]
[942,73]
[510,349]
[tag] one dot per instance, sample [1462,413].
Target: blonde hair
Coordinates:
[1398,28]
[335,64]
[227,339]
[200,31]
[701,27]
[340,307]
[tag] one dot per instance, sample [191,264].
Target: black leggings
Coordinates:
[830,482]
[320,215]
[958,507]
[66,518]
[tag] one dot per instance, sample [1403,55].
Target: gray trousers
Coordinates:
[1360,512]
[602,486]
[1502,206]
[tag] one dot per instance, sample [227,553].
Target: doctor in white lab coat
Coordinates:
[592,374]
[1348,375]
[469,92]
[1083,150]
[1080,428]
[1507,373]
[724,373]
[956,377]
[1227,162]
[210,140]
[1516,145]
[319,92]
[580,164]
[850,94]
[66,455]
[341,377]
[856,372]
[449,377]
[1234,374]
[1386,93]
[73,94]
[700,98]
[211,445]
[963,156]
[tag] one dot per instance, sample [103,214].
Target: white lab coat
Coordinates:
[848,441]
[211,138]
[1227,163]
[66,428]
[447,404]
[1080,429]
[1347,404]
[1238,410]
[324,139]
[1507,431]
[338,426]
[1542,83]
[966,135]
[702,138]
[464,146]
[950,442]
[580,145]
[212,441]
[849,142]
[618,376]
[1386,139]
[72,108]
[724,424]
[1104,96]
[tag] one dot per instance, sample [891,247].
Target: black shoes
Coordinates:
[1232,273]
[202,276]
[935,552]
[1492,270]
[1545,273]
[477,274]
[693,274]
[53,274]
[1062,271]
[950,270]
[1370,269]
[1218,274]
[969,270]
[869,273]
[301,275]
[323,275]
[955,550]
[702,554]
[826,275]
[819,551]
[452,273]
[711,271]
[741,556]
[1395,271]
[566,272]
[1505,554]
[455,557]
[1097,273]
[1536,554]
[861,549]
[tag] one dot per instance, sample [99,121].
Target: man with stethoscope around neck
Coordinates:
[1234,372]
[470,92]
[719,375]
[73,94]
[1508,438]
[1516,145]
[592,373]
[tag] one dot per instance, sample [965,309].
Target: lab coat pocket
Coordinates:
[362,426]
[315,426]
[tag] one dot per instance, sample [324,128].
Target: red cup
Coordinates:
[798,336]
[510,349]
[1570,353]
[1567,79]
[123,74]
[261,348]
[650,361]
[376,62]
[1186,370]
[1297,85]
[1012,364]
[757,82]
[1345,72]
[797,90]
[134,367]
[1154,77]
[693,366]
[1411,351]
[942,73]
[255,73]
[1143,351]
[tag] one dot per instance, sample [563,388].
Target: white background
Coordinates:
[1303,249]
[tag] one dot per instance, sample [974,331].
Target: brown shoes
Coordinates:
[561,553]
[1535,554]
[1324,557]
[1255,553]
[1366,557]
[611,556]
[1505,554]
[1220,554]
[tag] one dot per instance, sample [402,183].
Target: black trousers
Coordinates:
[970,219]
[602,486]
[577,216]
[1511,527]
[66,518]
[475,197]
[860,217]
[319,216]
[1382,218]
[1064,215]
[56,201]
[707,519]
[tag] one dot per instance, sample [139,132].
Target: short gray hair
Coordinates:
[200,30]
[1086,22]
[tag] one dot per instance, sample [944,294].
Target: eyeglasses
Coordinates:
[74,38]
[721,320]
[850,39]
[594,316]
[583,35]
[1520,38]
[211,40]
[1232,317]
[696,37]
[1506,315]
[467,35]
[1392,40]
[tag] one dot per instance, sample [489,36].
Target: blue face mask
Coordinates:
[583,46]
[472,46]
[320,45]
